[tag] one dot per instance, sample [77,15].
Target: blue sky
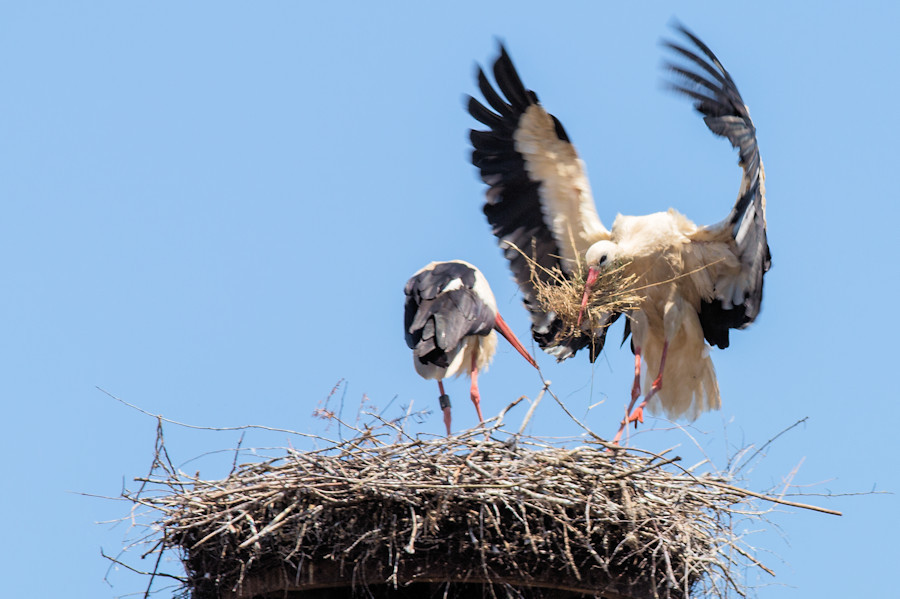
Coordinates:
[210,211]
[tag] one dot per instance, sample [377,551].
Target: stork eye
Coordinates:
[602,260]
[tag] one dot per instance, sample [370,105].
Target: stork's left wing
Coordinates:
[737,293]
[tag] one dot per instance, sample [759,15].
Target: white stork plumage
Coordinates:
[695,282]
[449,321]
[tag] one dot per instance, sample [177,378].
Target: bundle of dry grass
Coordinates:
[614,292]
[516,516]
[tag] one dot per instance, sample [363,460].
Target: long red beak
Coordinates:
[593,273]
[504,329]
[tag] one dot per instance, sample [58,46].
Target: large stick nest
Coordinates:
[519,516]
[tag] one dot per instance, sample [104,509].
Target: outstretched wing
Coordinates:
[737,293]
[442,308]
[539,201]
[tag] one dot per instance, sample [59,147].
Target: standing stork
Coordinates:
[450,319]
[694,282]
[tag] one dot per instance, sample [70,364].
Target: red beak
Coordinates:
[593,273]
[504,329]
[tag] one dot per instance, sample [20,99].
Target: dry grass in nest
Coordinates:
[613,292]
[514,515]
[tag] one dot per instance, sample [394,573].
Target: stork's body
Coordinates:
[668,258]
[694,283]
[449,322]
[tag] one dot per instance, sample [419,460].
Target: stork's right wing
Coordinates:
[539,201]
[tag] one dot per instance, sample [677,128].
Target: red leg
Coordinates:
[445,405]
[638,414]
[473,392]
[636,387]
[635,393]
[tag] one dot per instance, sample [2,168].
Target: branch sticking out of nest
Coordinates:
[614,292]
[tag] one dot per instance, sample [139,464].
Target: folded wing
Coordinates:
[442,308]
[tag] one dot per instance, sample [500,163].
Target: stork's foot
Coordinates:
[636,416]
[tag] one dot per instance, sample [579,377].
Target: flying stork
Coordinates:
[694,282]
[449,321]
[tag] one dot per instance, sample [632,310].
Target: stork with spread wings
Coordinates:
[695,283]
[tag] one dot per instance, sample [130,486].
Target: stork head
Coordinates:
[598,257]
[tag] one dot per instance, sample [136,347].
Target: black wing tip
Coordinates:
[502,54]
[681,28]
[700,75]
[501,45]
[676,24]
[478,71]
[505,60]
[697,43]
